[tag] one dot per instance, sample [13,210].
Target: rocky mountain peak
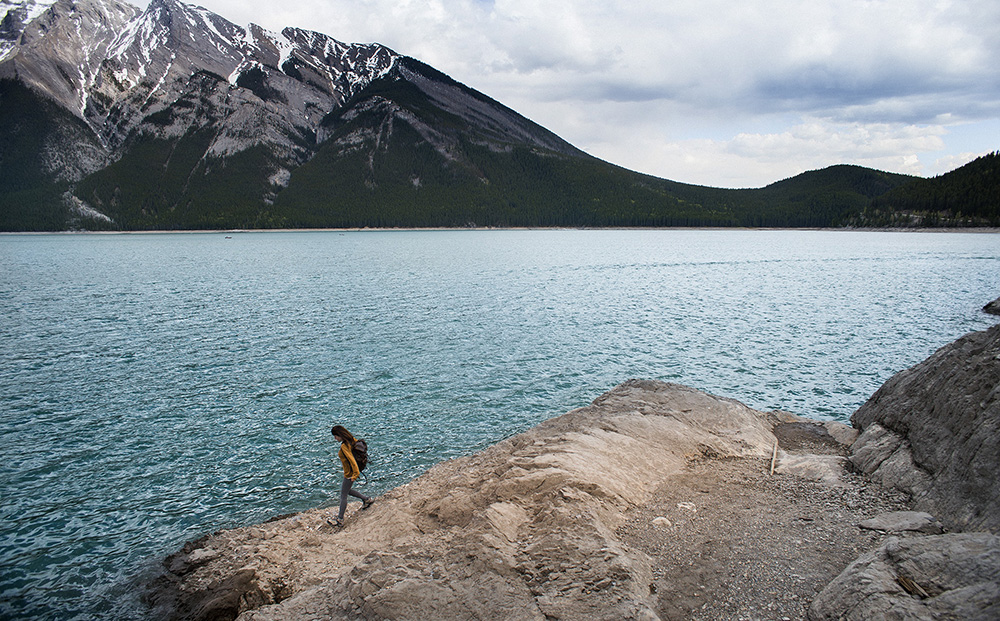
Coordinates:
[16,15]
[58,48]
[114,66]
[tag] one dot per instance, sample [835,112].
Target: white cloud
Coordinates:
[756,159]
[854,141]
[723,92]
[952,161]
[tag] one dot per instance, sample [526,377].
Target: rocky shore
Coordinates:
[657,501]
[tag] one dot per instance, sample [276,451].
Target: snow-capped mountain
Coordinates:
[131,115]
[113,67]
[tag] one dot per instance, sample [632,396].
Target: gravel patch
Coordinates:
[727,540]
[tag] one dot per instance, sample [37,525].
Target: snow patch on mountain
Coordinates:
[174,66]
[14,16]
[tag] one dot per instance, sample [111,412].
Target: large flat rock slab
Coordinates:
[526,529]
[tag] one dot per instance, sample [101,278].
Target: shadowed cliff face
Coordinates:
[934,431]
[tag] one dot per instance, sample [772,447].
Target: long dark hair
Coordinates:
[344,434]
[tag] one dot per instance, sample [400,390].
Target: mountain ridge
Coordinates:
[175,118]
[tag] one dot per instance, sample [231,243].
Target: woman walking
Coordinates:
[351,472]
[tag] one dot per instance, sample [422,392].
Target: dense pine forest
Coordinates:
[967,196]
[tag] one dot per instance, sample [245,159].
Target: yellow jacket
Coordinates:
[351,470]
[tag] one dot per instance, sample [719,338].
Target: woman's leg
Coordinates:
[345,489]
[358,494]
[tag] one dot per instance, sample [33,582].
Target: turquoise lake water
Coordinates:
[157,387]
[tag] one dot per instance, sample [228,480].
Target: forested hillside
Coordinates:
[966,196]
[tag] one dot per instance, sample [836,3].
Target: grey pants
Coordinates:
[345,491]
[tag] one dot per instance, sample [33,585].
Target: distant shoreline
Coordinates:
[978,230]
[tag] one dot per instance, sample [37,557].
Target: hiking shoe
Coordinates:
[335,523]
[367,503]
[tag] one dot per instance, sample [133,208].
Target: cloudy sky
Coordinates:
[729,93]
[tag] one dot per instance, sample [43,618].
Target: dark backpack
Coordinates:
[360,452]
